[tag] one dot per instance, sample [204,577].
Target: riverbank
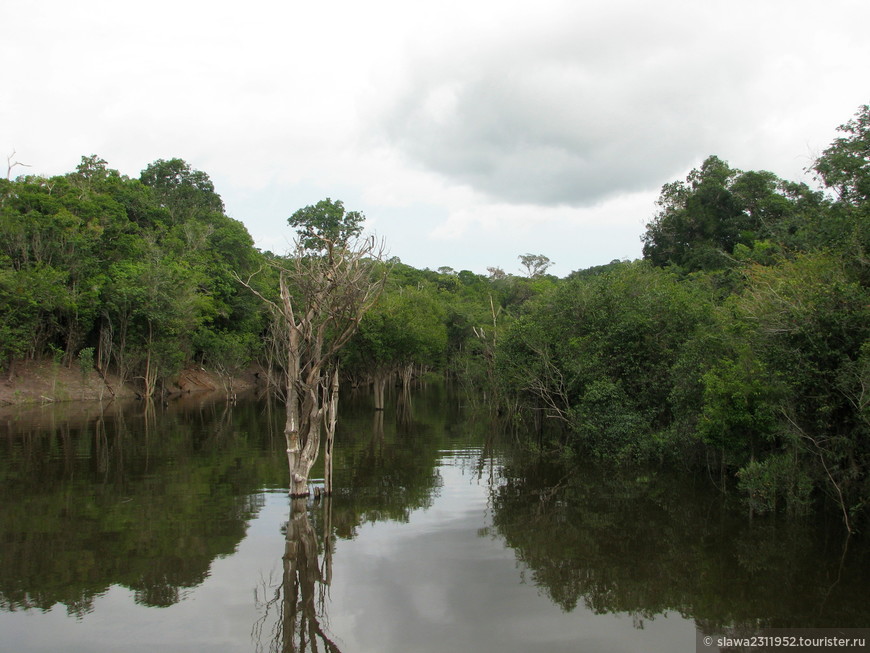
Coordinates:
[45,382]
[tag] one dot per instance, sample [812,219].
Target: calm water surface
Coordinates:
[140,528]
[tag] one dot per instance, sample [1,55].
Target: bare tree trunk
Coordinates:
[380,383]
[407,375]
[299,428]
[119,350]
[291,418]
[275,352]
[331,420]
[323,297]
[150,377]
[104,345]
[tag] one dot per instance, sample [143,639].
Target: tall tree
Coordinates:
[535,265]
[845,168]
[845,165]
[325,288]
[185,192]
[703,220]
[325,223]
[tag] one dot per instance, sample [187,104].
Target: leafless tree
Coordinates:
[11,164]
[323,295]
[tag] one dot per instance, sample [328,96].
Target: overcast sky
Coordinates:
[468,132]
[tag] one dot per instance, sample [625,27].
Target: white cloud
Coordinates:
[443,121]
[606,98]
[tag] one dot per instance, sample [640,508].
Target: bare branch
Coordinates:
[11,164]
[324,295]
[820,451]
[247,284]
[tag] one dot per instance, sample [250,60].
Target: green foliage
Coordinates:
[812,323]
[712,218]
[406,327]
[598,354]
[743,346]
[535,265]
[227,351]
[186,193]
[739,404]
[845,165]
[740,342]
[127,269]
[326,223]
[86,361]
[609,422]
[776,481]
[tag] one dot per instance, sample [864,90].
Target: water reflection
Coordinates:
[649,543]
[295,614]
[132,497]
[438,536]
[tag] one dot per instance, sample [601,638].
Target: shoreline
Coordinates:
[40,383]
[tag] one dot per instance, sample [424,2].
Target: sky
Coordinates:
[468,132]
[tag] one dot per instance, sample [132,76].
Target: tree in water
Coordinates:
[325,288]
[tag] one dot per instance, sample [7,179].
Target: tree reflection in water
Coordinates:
[647,542]
[297,607]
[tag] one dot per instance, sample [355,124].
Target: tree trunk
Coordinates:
[301,457]
[296,462]
[150,378]
[407,375]
[324,292]
[379,385]
[331,402]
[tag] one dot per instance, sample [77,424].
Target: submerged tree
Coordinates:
[325,288]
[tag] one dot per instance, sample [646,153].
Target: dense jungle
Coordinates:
[738,345]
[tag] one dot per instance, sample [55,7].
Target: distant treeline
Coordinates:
[739,342]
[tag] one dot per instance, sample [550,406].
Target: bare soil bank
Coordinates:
[42,382]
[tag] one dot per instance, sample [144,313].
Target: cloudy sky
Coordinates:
[468,132]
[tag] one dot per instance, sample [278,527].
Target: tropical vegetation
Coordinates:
[739,343]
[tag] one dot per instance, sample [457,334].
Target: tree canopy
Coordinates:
[739,343]
[326,225]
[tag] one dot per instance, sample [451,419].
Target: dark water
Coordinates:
[142,529]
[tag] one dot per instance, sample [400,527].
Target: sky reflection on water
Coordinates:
[124,538]
[440,582]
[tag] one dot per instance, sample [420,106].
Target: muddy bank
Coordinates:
[46,382]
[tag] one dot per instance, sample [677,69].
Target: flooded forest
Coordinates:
[637,453]
[173,527]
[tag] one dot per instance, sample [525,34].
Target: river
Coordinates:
[143,528]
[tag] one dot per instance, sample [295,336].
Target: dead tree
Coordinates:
[323,295]
[11,164]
